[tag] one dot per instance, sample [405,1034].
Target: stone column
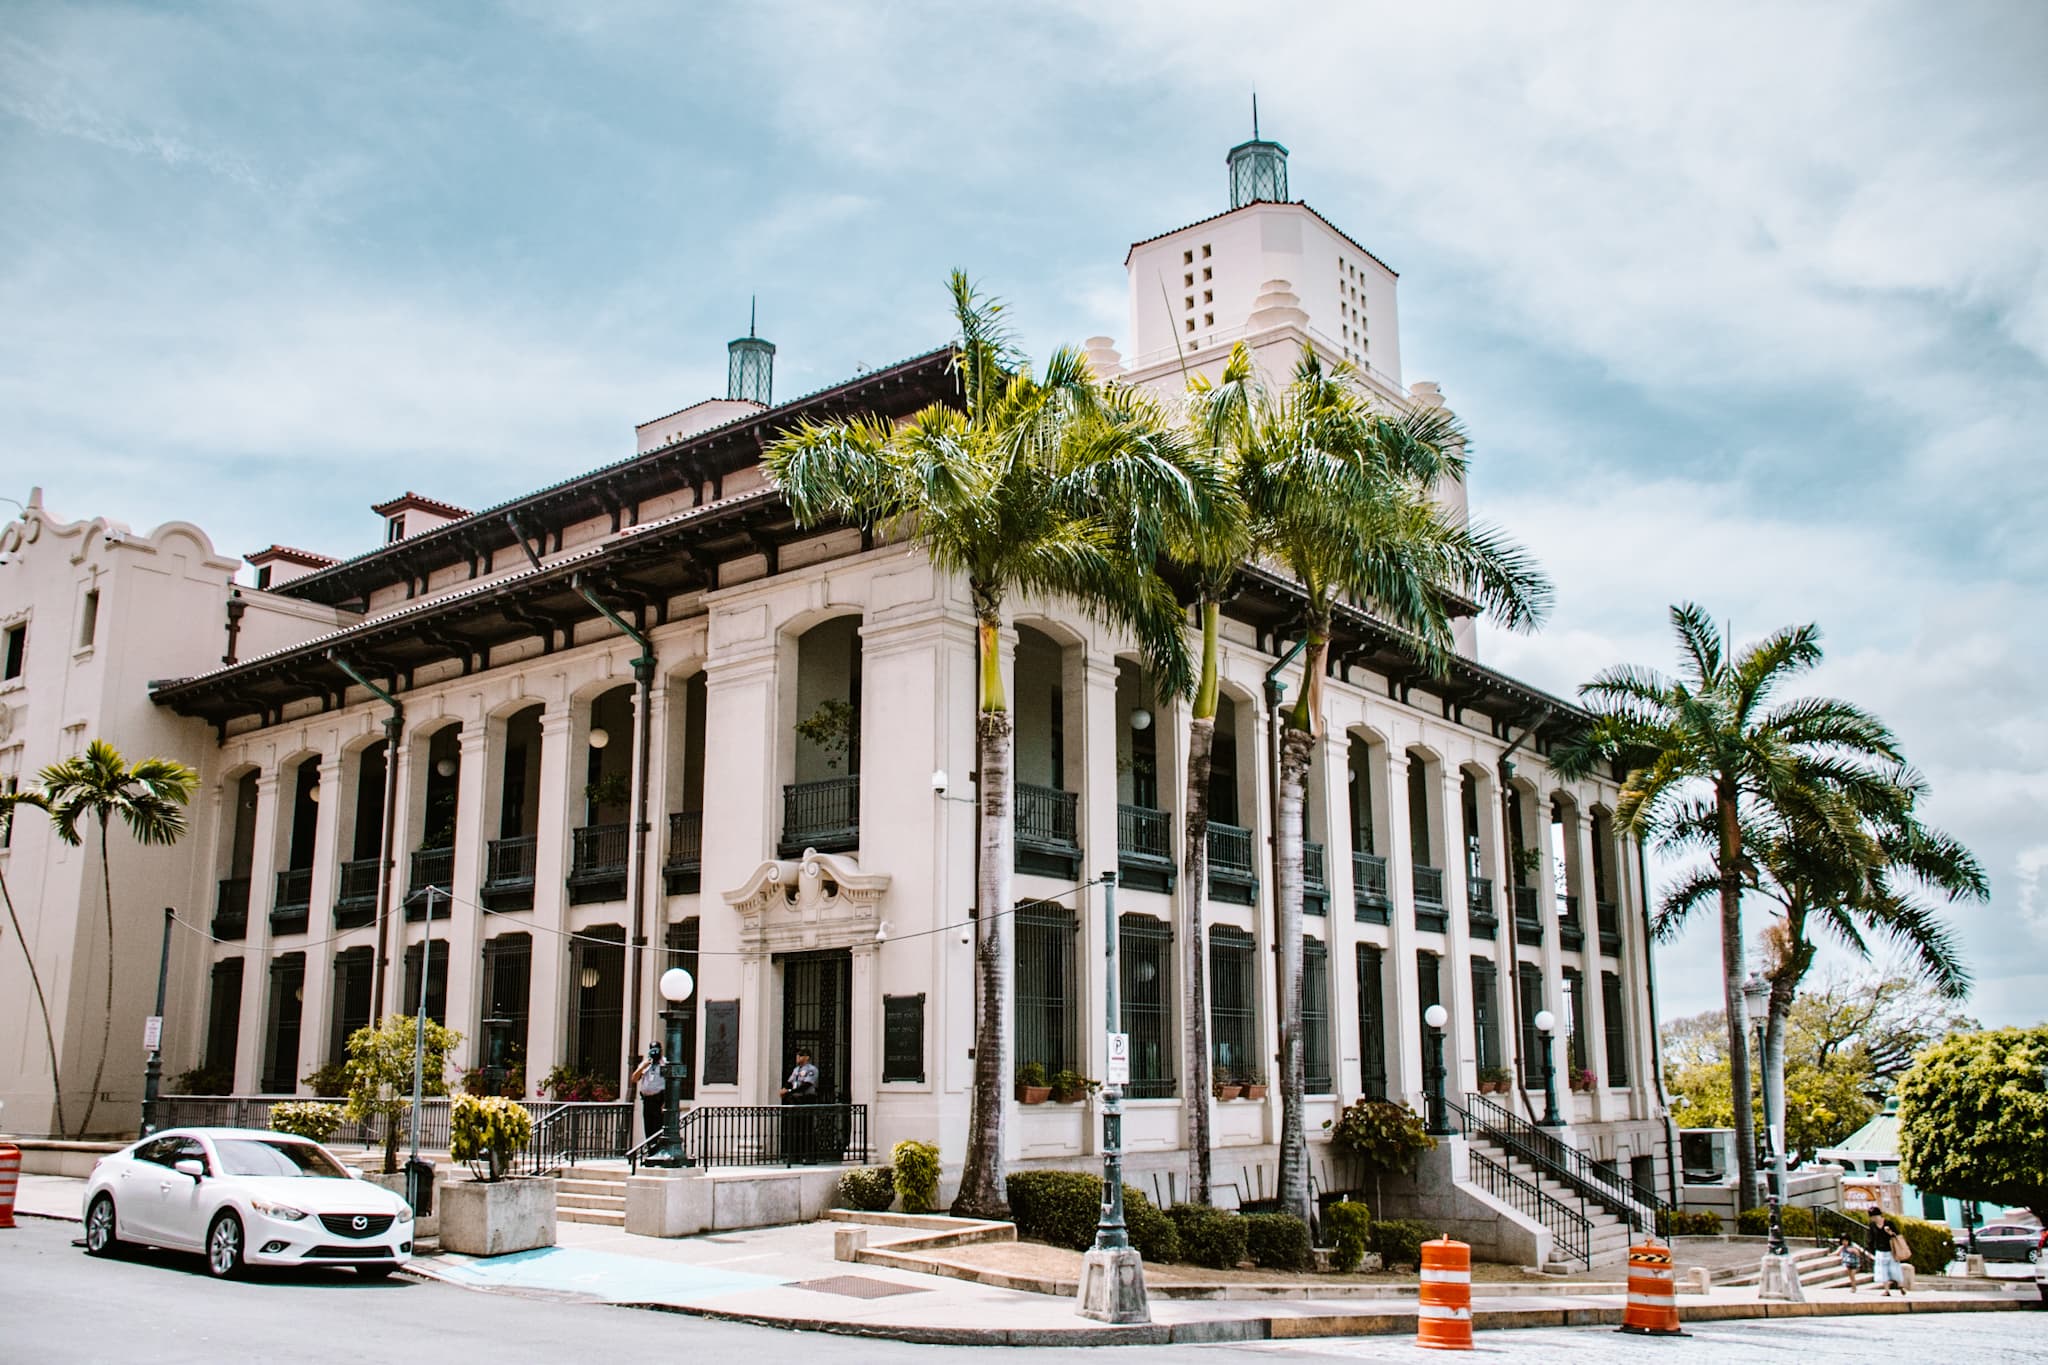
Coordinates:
[1099,853]
[316,1013]
[547,994]
[1340,930]
[1551,958]
[263,857]
[466,926]
[1589,971]
[1405,1075]
[1462,1067]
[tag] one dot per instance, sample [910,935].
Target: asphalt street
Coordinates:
[59,1307]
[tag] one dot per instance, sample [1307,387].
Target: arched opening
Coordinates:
[1145,853]
[1526,856]
[300,794]
[1564,839]
[1047,812]
[1427,840]
[684,860]
[509,857]
[431,871]
[1233,856]
[821,804]
[1606,899]
[1365,787]
[1475,812]
[364,777]
[238,829]
[597,863]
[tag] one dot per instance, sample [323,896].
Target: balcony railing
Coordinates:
[1370,903]
[231,908]
[1048,830]
[1571,931]
[1232,875]
[597,868]
[1609,916]
[1144,848]
[1528,916]
[685,860]
[1315,878]
[1430,915]
[820,815]
[355,893]
[1480,916]
[433,867]
[508,873]
[294,900]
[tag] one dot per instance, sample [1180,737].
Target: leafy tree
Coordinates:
[10,803]
[1342,492]
[1973,1118]
[380,1073]
[149,798]
[1710,741]
[1053,485]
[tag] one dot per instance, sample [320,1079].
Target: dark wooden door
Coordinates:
[816,1015]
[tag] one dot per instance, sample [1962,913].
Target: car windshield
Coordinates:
[276,1156]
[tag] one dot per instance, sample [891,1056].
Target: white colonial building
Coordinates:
[638,717]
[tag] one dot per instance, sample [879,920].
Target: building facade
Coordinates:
[522,760]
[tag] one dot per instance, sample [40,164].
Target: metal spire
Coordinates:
[1255,116]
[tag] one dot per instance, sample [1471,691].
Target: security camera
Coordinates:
[939,781]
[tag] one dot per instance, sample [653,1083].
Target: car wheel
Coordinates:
[102,1236]
[224,1247]
[375,1272]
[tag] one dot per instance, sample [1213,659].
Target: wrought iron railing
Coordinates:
[508,873]
[821,815]
[1144,847]
[1370,903]
[253,1111]
[775,1135]
[1571,933]
[1315,878]
[597,865]
[294,900]
[1571,1232]
[1233,876]
[355,892]
[1528,916]
[430,867]
[571,1132]
[685,860]
[1048,828]
[1430,914]
[231,908]
[1545,1152]
[1480,916]
[1608,915]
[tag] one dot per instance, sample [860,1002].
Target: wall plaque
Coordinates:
[721,1042]
[903,1038]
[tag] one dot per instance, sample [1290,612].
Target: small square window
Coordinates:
[1187,258]
[1191,324]
[1207,271]
[1187,281]
[15,652]
[1188,302]
[1205,251]
[263,578]
[1208,296]
[1208,319]
[89,619]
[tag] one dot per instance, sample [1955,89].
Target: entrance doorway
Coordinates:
[816,1016]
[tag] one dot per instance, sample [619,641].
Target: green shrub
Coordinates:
[1214,1238]
[1934,1246]
[917,1174]
[1032,1074]
[1152,1232]
[315,1121]
[490,1129]
[1383,1134]
[870,1189]
[1398,1241]
[1753,1222]
[1277,1241]
[205,1080]
[1056,1207]
[1349,1224]
[1692,1223]
[329,1082]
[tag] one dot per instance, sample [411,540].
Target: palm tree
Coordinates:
[10,803]
[1056,486]
[1708,745]
[150,799]
[1342,494]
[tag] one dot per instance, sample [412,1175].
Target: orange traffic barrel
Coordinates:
[1444,1318]
[10,1176]
[1652,1310]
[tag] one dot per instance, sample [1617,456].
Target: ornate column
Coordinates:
[547,999]
[465,925]
[1457,935]
[315,1014]
[249,1028]
[1404,1002]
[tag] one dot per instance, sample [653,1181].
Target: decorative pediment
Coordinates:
[821,900]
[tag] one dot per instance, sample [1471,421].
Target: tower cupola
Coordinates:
[1258,169]
[750,368]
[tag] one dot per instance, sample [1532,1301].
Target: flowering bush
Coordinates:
[306,1119]
[1582,1080]
[566,1084]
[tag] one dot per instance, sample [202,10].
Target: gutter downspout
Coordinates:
[1514,962]
[394,727]
[1656,1029]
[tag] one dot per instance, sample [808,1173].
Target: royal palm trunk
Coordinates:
[1194,886]
[1732,958]
[1295,748]
[984,1193]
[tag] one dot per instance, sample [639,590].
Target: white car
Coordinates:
[244,1196]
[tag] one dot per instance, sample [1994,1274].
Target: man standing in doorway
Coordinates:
[652,1087]
[801,1087]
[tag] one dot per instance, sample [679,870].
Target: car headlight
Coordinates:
[405,1213]
[284,1211]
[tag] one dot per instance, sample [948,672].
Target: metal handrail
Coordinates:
[1571,1232]
[1644,1210]
[775,1135]
[579,1128]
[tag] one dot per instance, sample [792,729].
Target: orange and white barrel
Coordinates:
[1444,1318]
[1652,1308]
[10,1177]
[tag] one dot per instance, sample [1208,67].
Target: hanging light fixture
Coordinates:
[445,767]
[1141,719]
[588,976]
[598,737]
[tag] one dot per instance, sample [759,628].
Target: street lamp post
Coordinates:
[1546,1024]
[1756,994]
[1112,1271]
[676,985]
[153,1069]
[1435,1017]
[495,1028]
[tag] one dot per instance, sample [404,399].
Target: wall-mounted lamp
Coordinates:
[599,737]
[1141,719]
[313,793]
[939,781]
[882,931]
[588,978]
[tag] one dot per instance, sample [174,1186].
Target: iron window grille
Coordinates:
[1233,1002]
[1372,1023]
[1615,1023]
[1315,1017]
[1047,1004]
[1145,995]
[1531,990]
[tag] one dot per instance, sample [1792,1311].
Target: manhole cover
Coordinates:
[857,1287]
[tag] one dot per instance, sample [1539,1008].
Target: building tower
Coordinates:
[750,371]
[1258,169]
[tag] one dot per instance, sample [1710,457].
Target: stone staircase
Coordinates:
[591,1194]
[1817,1267]
[1608,1235]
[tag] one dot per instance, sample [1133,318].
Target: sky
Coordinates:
[1744,304]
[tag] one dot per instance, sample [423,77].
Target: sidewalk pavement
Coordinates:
[787,1277]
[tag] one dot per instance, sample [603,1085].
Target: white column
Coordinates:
[547,997]
[1551,957]
[742,821]
[249,1028]
[1340,930]
[1463,1075]
[1405,1074]
[465,927]
[1589,971]
[316,1014]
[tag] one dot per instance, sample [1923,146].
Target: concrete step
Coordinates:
[569,1185]
[613,1218]
[590,1201]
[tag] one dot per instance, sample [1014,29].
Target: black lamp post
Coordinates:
[1546,1024]
[676,985]
[1756,996]
[1436,1016]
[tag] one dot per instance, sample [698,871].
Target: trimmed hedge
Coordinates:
[917,1174]
[1350,1225]
[1152,1232]
[1213,1238]
[1399,1241]
[1062,1208]
[1278,1241]
[870,1189]
[1692,1223]
[1933,1244]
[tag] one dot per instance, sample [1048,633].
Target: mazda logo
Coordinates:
[359,1222]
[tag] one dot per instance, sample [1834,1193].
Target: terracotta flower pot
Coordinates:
[1227,1092]
[1033,1094]
[1069,1096]
[1255,1092]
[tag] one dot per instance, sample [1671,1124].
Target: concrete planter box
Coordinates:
[427,1225]
[492,1218]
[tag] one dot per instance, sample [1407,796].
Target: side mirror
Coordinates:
[191,1166]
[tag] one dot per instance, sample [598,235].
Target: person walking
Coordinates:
[1849,1256]
[652,1087]
[1885,1245]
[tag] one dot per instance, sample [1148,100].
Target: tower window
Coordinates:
[16,648]
[89,619]
[1205,251]
[1188,302]
[1187,281]
[1208,296]
[394,530]
[1208,319]
[1187,258]
[1190,327]
[263,577]
[1207,271]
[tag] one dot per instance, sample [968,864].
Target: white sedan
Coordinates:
[243,1196]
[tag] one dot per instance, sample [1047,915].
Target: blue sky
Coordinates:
[1748,306]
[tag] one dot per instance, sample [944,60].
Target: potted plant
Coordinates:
[1582,1080]
[1494,1080]
[493,1212]
[1071,1087]
[1032,1087]
[1227,1087]
[1254,1083]
[1385,1135]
